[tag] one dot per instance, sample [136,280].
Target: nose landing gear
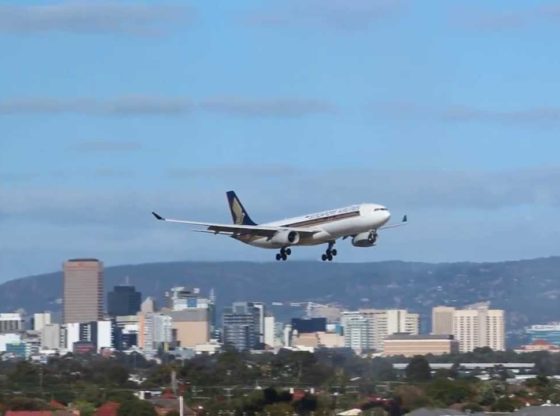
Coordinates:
[284,253]
[330,252]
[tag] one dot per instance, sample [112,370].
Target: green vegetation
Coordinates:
[293,382]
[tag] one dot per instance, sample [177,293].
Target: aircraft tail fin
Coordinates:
[238,212]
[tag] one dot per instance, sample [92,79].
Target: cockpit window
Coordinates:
[380,209]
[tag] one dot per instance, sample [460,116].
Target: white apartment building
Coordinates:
[385,322]
[356,331]
[154,330]
[269,331]
[474,326]
[367,328]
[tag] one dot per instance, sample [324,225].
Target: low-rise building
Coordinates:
[538,345]
[411,345]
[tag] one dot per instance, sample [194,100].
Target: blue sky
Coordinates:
[447,111]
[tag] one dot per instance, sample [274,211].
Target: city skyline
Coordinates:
[428,108]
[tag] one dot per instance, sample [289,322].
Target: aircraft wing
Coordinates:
[400,224]
[239,229]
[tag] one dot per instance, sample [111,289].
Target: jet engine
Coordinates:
[365,239]
[285,237]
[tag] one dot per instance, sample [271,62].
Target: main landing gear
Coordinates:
[330,252]
[284,253]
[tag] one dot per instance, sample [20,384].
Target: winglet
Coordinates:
[159,217]
[405,219]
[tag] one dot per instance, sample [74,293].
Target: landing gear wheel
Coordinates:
[330,252]
[284,257]
[288,251]
[278,256]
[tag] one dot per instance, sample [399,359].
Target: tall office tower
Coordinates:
[260,313]
[356,331]
[269,331]
[83,290]
[478,326]
[123,301]
[384,322]
[442,320]
[240,325]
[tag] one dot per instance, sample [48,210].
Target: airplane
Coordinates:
[361,222]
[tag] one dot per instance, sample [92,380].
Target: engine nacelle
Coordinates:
[365,239]
[285,238]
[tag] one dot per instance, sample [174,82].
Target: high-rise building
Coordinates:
[96,333]
[241,326]
[149,305]
[180,298]
[309,325]
[51,337]
[269,331]
[442,320]
[384,322]
[40,320]
[123,301]
[154,331]
[474,326]
[83,290]
[356,331]
[478,326]
[191,326]
[11,323]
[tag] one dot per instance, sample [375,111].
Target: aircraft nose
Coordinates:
[387,216]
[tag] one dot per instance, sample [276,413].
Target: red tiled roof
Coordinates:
[56,405]
[108,409]
[541,342]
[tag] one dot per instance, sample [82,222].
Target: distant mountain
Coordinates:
[529,290]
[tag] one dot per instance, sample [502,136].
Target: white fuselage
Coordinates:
[330,225]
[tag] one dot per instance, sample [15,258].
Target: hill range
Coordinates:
[529,290]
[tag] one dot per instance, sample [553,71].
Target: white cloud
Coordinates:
[92,17]
[334,14]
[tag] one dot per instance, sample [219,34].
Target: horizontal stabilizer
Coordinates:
[159,217]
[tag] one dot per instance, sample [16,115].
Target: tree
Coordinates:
[136,408]
[279,409]
[448,392]
[85,408]
[411,397]
[418,369]
[505,404]
[26,403]
[306,404]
